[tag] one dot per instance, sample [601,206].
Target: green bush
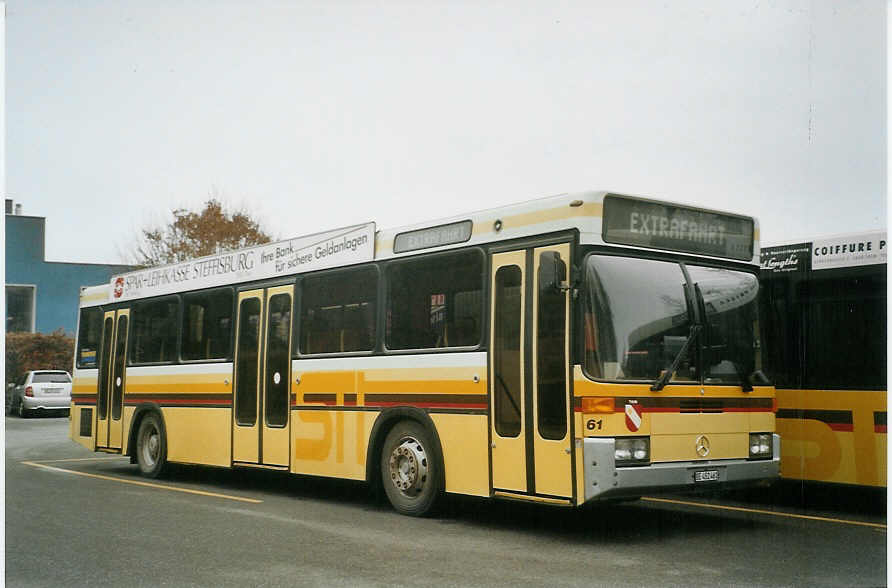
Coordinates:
[36,351]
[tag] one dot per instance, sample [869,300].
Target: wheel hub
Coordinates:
[150,448]
[408,467]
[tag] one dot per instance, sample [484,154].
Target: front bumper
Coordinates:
[604,480]
[46,402]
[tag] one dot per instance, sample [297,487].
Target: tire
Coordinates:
[151,447]
[410,470]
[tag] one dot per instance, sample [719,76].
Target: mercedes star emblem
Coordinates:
[702,446]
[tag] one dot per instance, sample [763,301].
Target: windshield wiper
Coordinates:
[745,381]
[664,379]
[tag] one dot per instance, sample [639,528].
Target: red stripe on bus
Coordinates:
[754,409]
[704,410]
[332,403]
[656,409]
[846,427]
[179,399]
[662,409]
[431,405]
[879,428]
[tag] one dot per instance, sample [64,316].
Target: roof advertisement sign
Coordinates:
[784,259]
[848,251]
[338,247]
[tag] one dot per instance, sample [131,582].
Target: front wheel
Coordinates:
[151,447]
[410,472]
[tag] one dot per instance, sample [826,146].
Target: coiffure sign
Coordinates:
[344,246]
[848,251]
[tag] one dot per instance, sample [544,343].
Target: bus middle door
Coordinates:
[262,377]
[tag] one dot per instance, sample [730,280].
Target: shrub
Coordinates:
[36,351]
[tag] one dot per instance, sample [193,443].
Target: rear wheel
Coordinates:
[410,474]
[151,447]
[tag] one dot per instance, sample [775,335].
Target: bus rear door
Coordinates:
[112,379]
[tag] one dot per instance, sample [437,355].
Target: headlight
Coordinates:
[760,445]
[632,451]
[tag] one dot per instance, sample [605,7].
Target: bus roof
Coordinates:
[599,217]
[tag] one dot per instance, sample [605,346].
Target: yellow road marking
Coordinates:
[77,459]
[766,512]
[140,483]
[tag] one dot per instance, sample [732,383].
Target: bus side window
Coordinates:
[89,336]
[154,331]
[338,311]
[354,335]
[435,302]
[207,320]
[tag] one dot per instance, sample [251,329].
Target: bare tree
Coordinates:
[191,234]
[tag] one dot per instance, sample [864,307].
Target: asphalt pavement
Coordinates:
[78,518]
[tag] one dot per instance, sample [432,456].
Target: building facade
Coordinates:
[41,295]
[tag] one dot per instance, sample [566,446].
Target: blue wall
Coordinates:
[58,284]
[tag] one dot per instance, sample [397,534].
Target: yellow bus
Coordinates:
[570,349]
[824,323]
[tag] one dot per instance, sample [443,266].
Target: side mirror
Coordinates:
[552,272]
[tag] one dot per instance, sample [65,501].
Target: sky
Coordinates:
[315,115]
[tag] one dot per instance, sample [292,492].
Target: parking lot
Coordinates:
[79,518]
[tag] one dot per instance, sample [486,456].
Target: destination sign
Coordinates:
[312,252]
[644,223]
[433,237]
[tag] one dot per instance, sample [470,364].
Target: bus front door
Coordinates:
[262,375]
[531,449]
[112,379]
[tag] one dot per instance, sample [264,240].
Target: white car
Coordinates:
[39,390]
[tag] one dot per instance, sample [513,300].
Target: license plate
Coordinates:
[52,390]
[706,476]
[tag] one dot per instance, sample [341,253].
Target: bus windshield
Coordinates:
[732,332]
[639,314]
